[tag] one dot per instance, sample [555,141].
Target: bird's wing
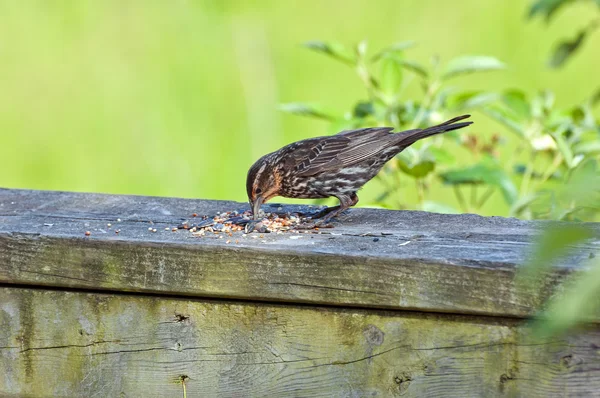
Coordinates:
[365,144]
[368,133]
[316,155]
[341,150]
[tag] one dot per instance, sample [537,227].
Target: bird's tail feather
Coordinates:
[411,136]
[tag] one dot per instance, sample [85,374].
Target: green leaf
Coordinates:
[390,79]
[595,99]
[582,116]
[415,67]
[484,172]
[578,303]
[441,155]
[578,196]
[516,101]
[554,242]
[584,185]
[590,147]
[418,169]
[564,149]
[471,64]
[436,207]
[547,8]
[522,204]
[566,49]
[363,109]
[470,99]
[311,110]
[333,49]
[396,48]
[521,168]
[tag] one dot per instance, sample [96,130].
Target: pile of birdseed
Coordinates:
[235,221]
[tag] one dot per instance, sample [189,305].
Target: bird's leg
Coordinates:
[345,203]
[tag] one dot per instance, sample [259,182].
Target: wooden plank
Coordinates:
[65,344]
[423,261]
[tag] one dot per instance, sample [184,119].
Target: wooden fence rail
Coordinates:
[387,303]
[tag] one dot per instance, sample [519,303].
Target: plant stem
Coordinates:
[460,198]
[396,173]
[420,191]
[486,195]
[431,90]
[473,199]
[365,76]
[183,379]
[556,162]
[528,174]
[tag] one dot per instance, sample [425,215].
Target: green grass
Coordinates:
[179,98]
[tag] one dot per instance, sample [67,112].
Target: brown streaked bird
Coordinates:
[337,165]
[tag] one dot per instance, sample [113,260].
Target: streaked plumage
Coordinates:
[337,165]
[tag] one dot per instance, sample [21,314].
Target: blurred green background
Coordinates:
[179,98]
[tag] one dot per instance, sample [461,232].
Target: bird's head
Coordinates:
[262,183]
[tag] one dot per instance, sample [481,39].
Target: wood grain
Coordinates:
[56,343]
[462,264]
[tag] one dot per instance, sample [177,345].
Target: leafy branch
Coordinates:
[566,48]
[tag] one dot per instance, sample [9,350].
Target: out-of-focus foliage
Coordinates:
[566,47]
[553,170]
[179,98]
[554,147]
[577,300]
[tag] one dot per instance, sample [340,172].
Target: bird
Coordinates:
[332,166]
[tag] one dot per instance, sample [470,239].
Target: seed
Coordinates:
[228,241]
[154,230]
[87,233]
[195,215]
[118,220]
[174,229]
[109,225]
[167,228]
[150,229]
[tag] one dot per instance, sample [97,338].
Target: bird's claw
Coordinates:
[255,225]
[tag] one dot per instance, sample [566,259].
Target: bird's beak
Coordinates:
[256,207]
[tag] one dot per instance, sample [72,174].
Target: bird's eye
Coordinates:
[258,191]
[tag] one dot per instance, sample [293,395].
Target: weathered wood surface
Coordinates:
[136,314]
[74,344]
[463,264]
